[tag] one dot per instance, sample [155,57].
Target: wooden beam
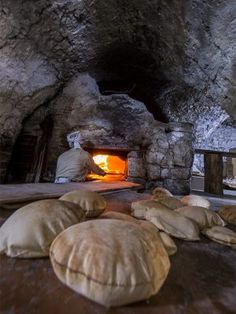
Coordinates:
[225,154]
[213,164]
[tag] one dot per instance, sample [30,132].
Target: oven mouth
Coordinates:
[113,162]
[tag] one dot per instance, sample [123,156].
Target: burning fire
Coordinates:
[101,161]
[111,164]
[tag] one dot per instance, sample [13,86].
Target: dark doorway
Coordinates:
[28,159]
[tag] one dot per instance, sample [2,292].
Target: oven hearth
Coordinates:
[113,162]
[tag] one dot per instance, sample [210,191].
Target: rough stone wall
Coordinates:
[169,157]
[107,120]
[27,79]
[223,138]
[182,53]
[204,33]
[214,128]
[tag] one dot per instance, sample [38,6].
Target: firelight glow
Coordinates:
[101,161]
[109,163]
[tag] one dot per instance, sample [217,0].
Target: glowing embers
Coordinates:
[114,166]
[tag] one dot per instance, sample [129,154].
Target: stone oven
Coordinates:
[112,160]
[120,163]
[156,153]
[151,152]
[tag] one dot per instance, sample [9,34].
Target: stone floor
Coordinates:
[202,279]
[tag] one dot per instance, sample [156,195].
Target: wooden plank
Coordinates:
[213,164]
[111,148]
[225,154]
[22,193]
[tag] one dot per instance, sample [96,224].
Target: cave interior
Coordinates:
[150,87]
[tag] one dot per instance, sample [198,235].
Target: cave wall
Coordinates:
[181,53]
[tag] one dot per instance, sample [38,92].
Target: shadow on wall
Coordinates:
[187,53]
[134,89]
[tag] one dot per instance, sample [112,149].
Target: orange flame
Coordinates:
[110,164]
[101,161]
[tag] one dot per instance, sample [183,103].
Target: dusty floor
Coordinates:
[202,280]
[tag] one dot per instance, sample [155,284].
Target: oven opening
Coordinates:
[112,162]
